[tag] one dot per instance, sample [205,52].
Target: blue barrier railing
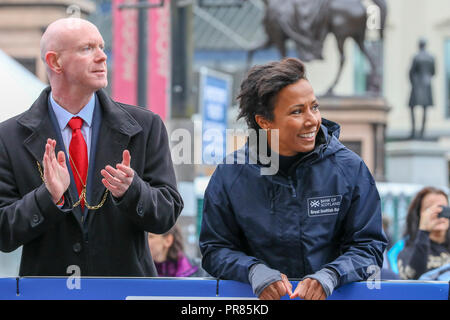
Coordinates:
[197,289]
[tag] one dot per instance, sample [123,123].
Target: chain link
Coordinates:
[82,195]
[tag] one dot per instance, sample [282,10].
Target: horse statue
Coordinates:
[308,22]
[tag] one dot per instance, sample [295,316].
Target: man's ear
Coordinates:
[262,122]
[53,61]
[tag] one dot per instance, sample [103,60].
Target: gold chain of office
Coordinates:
[83,191]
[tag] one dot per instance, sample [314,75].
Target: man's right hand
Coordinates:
[277,289]
[56,174]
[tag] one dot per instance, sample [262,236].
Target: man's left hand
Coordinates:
[118,180]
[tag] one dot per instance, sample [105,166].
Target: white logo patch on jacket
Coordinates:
[323,206]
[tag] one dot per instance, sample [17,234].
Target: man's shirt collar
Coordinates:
[63,116]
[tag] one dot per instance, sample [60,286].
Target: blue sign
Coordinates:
[215,92]
[59,288]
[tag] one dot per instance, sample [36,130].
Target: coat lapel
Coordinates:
[111,139]
[38,120]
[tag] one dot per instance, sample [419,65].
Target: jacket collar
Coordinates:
[327,143]
[113,114]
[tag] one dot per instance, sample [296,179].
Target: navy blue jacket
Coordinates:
[324,213]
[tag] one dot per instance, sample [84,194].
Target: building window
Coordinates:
[447,77]
[448,164]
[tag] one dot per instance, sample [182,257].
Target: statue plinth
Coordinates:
[363,125]
[417,161]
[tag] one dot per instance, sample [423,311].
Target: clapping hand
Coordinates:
[118,180]
[56,174]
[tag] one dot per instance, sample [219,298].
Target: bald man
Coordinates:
[83,178]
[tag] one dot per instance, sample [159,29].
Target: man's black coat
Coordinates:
[111,241]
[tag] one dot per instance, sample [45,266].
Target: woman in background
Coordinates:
[427,236]
[168,254]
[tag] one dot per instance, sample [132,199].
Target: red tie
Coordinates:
[78,155]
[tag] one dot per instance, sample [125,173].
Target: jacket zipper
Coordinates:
[291,185]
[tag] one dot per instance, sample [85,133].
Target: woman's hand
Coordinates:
[429,218]
[277,289]
[309,289]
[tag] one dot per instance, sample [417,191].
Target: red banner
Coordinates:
[125,46]
[158,60]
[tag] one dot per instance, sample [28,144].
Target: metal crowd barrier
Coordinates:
[59,288]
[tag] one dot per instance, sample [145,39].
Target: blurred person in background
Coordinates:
[386,228]
[168,254]
[386,271]
[427,236]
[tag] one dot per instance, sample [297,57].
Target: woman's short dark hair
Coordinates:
[261,86]
[413,216]
[177,244]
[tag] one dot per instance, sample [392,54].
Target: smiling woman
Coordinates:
[296,117]
[317,218]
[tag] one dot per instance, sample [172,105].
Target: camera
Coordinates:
[445,213]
